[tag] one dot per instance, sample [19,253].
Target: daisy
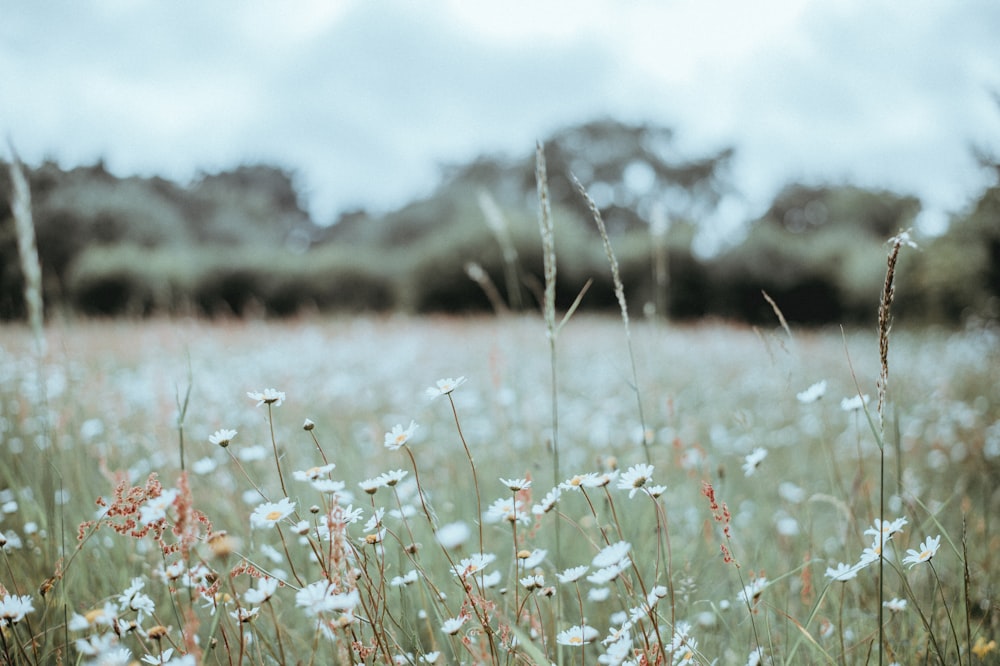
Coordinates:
[896,605]
[572,574]
[155,508]
[635,478]
[855,403]
[599,593]
[265,589]
[444,387]
[612,554]
[532,582]
[270,514]
[813,393]
[753,460]
[268,396]
[370,486]
[204,466]
[752,592]
[928,549]
[473,564]
[222,437]
[133,599]
[531,559]
[605,575]
[578,635]
[842,572]
[548,502]
[406,579]
[579,481]
[452,535]
[13,608]
[313,473]
[320,597]
[399,436]
[516,484]
[452,625]
[392,478]
[242,615]
[886,528]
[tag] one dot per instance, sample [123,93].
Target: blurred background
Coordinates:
[275,159]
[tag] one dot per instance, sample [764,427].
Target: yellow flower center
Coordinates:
[273,515]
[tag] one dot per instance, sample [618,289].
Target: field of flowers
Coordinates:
[399,490]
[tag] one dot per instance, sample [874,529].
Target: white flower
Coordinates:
[752,592]
[572,574]
[444,387]
[268,396]
[599,593]
[204,466]
[753,460]
[473,564]
[244,614]
[618,651]
[635,478]
[134,600]
[452,625]
[548,502]
[156,508]
[265,589]
[927,550]
[407,578]
[532,559]
[896,605]
[605,575]
[532,582]
[430,657]
[578,481]
[612,554]
[399,436]
[855,403]
[13,608]
[313,473]
[577,635]
[452,535]
[516,484]
[320,597]
[222,437]
[392,478]
[886,528]
[813,393]
[509,510]
[270,514]
[842,572]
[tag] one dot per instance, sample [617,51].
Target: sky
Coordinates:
[364,100]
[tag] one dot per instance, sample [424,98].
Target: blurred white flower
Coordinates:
[896,605]
[265,589]
[813,393]
[452,625]
[156,508]
[515,484]
[13,608]
[313,473]
[222,437]
[842,572]
[399,436]
[753,460]
[635,478]
[612,554]
[577,635]
[572,574]
[452,535]
[855,403]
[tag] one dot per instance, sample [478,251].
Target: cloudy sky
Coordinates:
[364,99]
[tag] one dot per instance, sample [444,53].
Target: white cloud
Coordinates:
[365,99]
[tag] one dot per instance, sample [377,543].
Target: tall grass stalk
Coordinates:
[620,295]
[497,223]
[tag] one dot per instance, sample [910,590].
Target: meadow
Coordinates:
[475,490]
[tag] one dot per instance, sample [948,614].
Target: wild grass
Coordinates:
[491,491]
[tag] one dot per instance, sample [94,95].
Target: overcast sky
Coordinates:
[364,99]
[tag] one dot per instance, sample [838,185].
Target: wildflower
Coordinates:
[572,574]
[654,491]
[813,393]
[751,593]
[618,651]
[430,657]
[507,509]
[370,486]
[452,535]
[756,657]
[548,502]
[516,484]
[328,485]
[579,481]
[155,508]
[612,554]
[452,625]
[313,473]
[162,658]
[204,466]
[982,648]
[399,436]
[605,575]
[598,593]
[578,635]
[13,608]
[532,582]
[320,597]
[253,454]
[222,437]
[886,528]
[896,605]
[855,403]
[375,520]
[406,579]
[392,478]
[753,460]
[308,425]
[473,564]
[444,387]
[133,599]
[842,572]
[269,514]
[265,589]
[268,396]
[242,615]
[531,559]
[928,549]
[635,478]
